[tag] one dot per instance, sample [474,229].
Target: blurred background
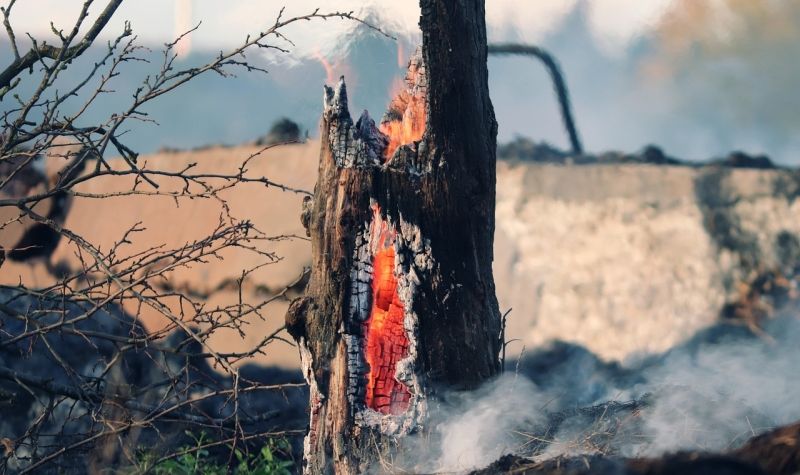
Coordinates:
[665,256]
[699,78]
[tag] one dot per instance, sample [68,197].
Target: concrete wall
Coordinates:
[627,259]
[622,259]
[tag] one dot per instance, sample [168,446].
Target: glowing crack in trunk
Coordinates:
[384,389]
[385,335]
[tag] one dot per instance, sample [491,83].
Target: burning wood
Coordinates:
[389,255]
[381,342]
[381,329]
[376,300]
[401,298]
[404,122]
[385,334]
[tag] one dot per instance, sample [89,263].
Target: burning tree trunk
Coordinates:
[401,301]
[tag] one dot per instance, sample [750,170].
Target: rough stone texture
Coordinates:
[626,259]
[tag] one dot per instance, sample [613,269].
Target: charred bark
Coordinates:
[401,300]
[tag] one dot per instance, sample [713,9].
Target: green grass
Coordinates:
[196,460]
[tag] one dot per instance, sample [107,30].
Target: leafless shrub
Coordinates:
[81,379]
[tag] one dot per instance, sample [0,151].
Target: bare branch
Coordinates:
[39,52]
[99,380]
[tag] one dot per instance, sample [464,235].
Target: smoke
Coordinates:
[698,78]
[475,430]
[711,393]
[718,394]
[614,21]
[730,61]
[183,23]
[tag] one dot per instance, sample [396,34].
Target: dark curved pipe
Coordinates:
[559,84]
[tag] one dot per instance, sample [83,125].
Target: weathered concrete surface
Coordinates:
[622,259]
[626,259]
[613,258]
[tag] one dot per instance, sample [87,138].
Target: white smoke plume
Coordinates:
[476,430]
[710,394]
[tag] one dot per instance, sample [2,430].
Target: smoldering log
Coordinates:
[401,303]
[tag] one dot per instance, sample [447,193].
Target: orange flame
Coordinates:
[330,77]
[404,122]
[401,54]
[386,340]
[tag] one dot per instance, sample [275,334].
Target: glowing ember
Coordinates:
[404,122]
[386,339]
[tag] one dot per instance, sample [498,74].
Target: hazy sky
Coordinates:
[614,22]
[698,77]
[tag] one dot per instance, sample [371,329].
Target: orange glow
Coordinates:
[404,123]
[386,340]
[183,23]
[401,54]
[330,77]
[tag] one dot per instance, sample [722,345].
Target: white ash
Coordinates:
[352,145]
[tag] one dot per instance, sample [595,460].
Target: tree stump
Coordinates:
[401,300]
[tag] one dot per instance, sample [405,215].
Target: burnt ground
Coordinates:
[776,452]
[573,378]
[604,438]
[138,376]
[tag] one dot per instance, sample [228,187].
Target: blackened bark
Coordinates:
[460,331]
[432,202]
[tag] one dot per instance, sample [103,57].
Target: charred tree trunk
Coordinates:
[401,300]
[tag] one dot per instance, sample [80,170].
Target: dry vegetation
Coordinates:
[81,378]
